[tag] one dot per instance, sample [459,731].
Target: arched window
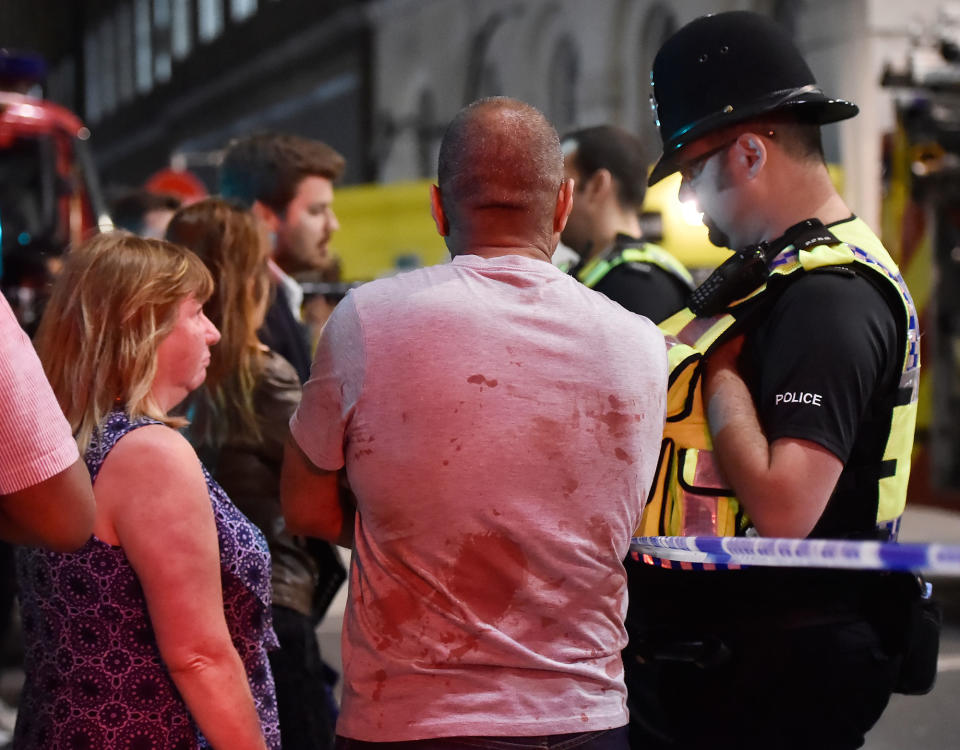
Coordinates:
[428,143]
[483,77]
[658,25]
[562,85]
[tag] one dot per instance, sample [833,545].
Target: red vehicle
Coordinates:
[49,196]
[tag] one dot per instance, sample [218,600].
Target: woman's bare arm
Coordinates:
[152,498]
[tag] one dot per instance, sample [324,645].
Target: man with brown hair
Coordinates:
[287,181]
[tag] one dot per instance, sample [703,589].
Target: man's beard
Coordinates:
[716,235]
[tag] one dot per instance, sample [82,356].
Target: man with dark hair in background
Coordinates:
[609,170]
[287,181]
[499,423]
[144,212]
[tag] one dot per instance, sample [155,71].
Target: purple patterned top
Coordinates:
[95,678]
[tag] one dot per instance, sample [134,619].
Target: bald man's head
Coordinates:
[499,159]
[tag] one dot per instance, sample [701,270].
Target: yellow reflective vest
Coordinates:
[688,497]
[595,269]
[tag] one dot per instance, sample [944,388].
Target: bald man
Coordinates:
[499,423]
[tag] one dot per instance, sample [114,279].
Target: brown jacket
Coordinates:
[249,472]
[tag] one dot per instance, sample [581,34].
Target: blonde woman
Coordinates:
[239,423]
[154,633]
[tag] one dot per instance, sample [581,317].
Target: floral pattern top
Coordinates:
[94,675]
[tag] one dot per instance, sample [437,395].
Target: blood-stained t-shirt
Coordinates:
[500,425]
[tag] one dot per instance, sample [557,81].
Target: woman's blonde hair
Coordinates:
[115,300]
[226,237]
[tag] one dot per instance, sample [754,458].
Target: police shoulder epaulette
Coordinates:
[811,235]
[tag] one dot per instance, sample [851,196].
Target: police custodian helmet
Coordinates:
[725,68]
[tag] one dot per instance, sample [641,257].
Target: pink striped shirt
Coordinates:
[35,438]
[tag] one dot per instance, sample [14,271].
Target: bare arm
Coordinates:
[314,502]
[784,486]
[152,496]
[56,513]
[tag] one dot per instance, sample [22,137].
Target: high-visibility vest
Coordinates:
[688,497]
[594,270]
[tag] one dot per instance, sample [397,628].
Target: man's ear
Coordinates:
[600,183]
[436,211]
[266,215]
[752,154]
[564,205]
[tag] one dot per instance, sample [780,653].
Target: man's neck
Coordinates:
[496,251]
[813,196]
[627,224]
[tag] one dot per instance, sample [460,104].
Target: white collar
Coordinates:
[291,286]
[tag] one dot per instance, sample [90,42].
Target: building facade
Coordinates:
[379,79]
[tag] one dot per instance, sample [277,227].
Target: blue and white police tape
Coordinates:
[709,552]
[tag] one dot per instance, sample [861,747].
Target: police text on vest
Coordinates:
[795,397]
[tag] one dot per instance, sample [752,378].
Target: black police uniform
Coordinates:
[787,658]
[767,657]
[642,288]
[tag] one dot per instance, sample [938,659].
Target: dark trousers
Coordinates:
[818,687]
[760,671]
[607,739]
[303,697]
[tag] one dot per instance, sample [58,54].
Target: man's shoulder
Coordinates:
[644,289]
[400,285]
[838,291]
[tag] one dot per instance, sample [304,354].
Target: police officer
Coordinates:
[610,175]
[793,404]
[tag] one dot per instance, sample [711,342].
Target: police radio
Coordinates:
[749,267]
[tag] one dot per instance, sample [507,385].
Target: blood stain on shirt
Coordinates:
[479,379]
[471,643]
[616,403]
[489,569]
[395,610]
[616,421]
[381,676]
[623,455]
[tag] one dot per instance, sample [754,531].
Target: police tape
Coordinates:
[709,552]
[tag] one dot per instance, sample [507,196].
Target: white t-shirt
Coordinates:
[500,425]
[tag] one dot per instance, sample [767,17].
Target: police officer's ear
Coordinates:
[750,153]
[436,211]
[599,184]
[564,205]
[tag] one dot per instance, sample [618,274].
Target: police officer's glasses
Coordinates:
[691,170]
